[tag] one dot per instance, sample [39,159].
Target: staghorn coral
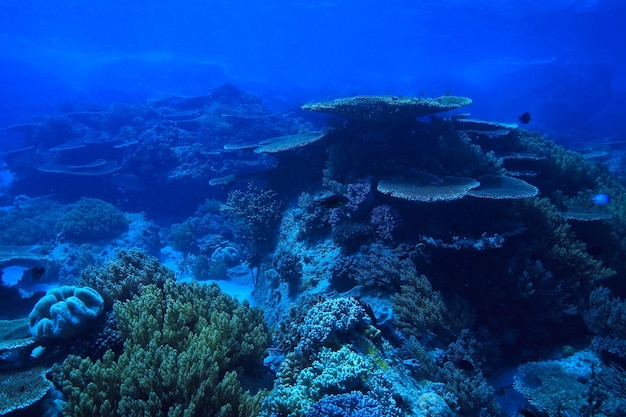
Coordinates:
[123,277]
[465,390]
[554,247]
[92,219]
[606,314]
[184,351]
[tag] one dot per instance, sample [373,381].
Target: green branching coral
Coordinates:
[92,219]
[557,252]
[184,351]
[32,223]
[122,277]
[420,310]
[256,214]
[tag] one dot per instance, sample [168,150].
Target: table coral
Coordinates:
[22,388]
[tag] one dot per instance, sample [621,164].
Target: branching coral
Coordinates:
[30,224]
[92,219]
[123,276]
[420,310]
[606,314]
[256,213]
[554,245]
[185,349]
[377,267]
[331,372]
[333,317]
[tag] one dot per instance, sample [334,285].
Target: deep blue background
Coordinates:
[563,60]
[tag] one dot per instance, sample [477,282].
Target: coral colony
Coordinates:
[202,256]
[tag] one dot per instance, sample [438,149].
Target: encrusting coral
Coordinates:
[186,348]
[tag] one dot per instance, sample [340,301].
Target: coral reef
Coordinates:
[578,385]
[400,260]
[420,310]
[331,372]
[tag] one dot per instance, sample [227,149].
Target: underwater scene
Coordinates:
[313,209]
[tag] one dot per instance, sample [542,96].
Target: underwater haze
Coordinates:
[313,208]
[561,60]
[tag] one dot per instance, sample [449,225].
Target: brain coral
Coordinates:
[64,311]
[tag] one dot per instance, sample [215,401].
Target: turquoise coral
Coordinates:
[64,311]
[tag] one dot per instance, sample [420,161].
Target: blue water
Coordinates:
[420,265]
[562,61]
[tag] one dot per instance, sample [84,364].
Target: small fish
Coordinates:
[527,413]
[524,118]
[465,365]
[601,199]
[332,201]
[33,273]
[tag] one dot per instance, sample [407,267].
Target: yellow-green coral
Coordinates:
[185,347]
